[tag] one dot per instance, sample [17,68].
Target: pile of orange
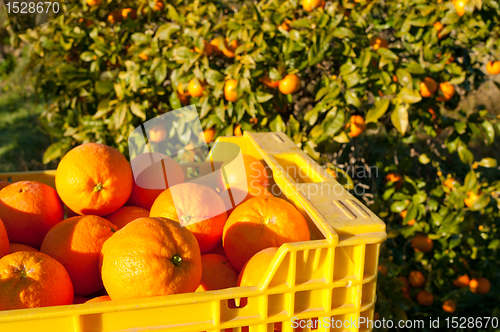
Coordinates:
[187,237]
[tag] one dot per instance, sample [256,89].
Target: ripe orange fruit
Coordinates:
[104,298]
[416,279]
[433,113]
[255,172]
[159,6]
[28,210]
[93,2]
[129,13]
[215,46]
[394,177]
[471,199]
[447,90]
[438,26]
[207,48]
[32,279]
[4,184]
[493,68]
[237,131]
[256,267]
[114,17]
[406,287]
[290,84]
[235,195]
[4,241]
[208,135]
[183,96]
[422,243]
[450,183]
[428,87]
[260,223]
[310,5]
[479,285]
[76,243]
[449,306]
[94,179]
[357,125]
[142,196]
[15,247]
[230,92]
[382,269]
[460,6]
[198,208]
[127,214]
[425,298]
[217,273]
[164,255]
[462,281]
[157,134]
[285,25]
[143,56]
[378,42]
[195,89]
[270,83]
[80,299]
[219,250]
[230,48]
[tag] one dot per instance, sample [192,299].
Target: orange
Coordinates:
[422,243]
[94,179]
[357,125]
[428,87]
[159,6]
[219,250]
[290,84]
[255,173]
[144,197]
[127,214]
[255,269]
[471,199]
[462,281]
[406,287]
[447,90]
[438,26]
[285,25]
[32,279]
[433,113]
[450,183]
[270,83]
[207,48]
[460,6]
[416,279]
[76,243]
[230,92]
[80,299]
[310,5]
[393,177]
[425,298]
[217,273]
[215,46]
[143,56]
[493,68]
[237,131]
[28,210]
[129,13]
[157,134]
[198,208]
[260,223]
[230,48]
[104,298]
[4,184]
[382,269]
[4,241]
[255,190]
[479,285]
[208,135]
[195,89]
[93,2]
[378,42]
[410,222]
[449,306]
[150,257]
[114,17]
[15,247]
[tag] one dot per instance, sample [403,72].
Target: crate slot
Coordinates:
[312,266]
[311,300]
[357,207]
[343,207]
[298,168]
[368,294]
[237,303]
[371,259]
[342,296]
[278,138]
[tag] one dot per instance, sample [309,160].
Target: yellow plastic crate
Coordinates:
[327,280]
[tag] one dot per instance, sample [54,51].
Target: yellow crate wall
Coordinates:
[332,276]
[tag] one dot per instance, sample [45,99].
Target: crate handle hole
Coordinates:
[278,138]
[231,303]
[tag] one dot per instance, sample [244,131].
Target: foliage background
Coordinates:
[97,88]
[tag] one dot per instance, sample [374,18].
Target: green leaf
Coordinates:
[490,132]
[341,138]
[409,96]
[488,163]
[161,73]
[465,155]
[424,159]
[332,124]
[119,91]
[385,52]
[88,56]
[399,118]
[343,33]
[213,77]
[103,87]
[262,97]
[352,99]
[482,201]
[137,110]
[277,125]
[398,206]
[364,58]
[377,111]
[405,78]
[120,114]
[166,30]
[470,181]
[419,198]
[56,150]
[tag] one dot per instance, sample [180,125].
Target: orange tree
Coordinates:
[358,84]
